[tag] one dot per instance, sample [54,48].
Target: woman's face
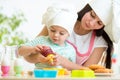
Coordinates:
[91,21]
[57,34]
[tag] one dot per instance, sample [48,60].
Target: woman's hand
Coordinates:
[36,58]
[37,49]
[56,60]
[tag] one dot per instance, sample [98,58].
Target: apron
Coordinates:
[81,58]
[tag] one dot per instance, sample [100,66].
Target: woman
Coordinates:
[89,37]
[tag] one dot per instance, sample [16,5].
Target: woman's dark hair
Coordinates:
[110,46]
[99,32]
[81,13]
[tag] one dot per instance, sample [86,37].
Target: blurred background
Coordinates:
[28,14]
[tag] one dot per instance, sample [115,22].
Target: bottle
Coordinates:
[12,52]
[115,67]
[8,52]
[18,67]
[2,52]
[5,66]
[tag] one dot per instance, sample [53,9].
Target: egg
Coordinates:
[18,62]
[46,51]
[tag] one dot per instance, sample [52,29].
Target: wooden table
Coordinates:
[112,77]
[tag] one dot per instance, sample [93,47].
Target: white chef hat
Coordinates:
[63,15]
[116,20]
[106,11]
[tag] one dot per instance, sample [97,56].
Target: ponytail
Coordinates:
[102,33]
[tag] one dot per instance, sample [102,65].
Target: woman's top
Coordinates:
[85,44]
[66,51]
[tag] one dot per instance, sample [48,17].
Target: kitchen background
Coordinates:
[26,18]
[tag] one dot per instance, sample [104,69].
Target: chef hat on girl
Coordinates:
[109,13]
[63,15]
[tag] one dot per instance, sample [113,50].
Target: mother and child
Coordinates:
[78,39]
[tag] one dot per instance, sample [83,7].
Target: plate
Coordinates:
[103,74]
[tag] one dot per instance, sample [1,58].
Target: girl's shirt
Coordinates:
[82,43]
[66,51]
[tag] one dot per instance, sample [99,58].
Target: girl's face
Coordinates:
[91,21]
[58,35]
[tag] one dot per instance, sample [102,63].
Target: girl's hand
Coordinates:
[56,60]
[37,49]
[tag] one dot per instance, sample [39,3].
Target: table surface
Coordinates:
[111,77]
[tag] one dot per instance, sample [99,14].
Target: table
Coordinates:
[113,77]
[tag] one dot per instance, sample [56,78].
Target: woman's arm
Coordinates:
[95,56]
[25,50]
[93,59]
[35,58]
[65,63]
[43,32]
[28,50]
[68,64]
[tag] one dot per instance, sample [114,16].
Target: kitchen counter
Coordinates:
[111,77]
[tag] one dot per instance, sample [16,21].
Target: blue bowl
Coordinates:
[38,73]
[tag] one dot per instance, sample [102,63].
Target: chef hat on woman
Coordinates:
[109,13]
[63,15]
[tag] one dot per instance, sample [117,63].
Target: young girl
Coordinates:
[59,20]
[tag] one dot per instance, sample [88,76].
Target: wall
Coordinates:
[33,10]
